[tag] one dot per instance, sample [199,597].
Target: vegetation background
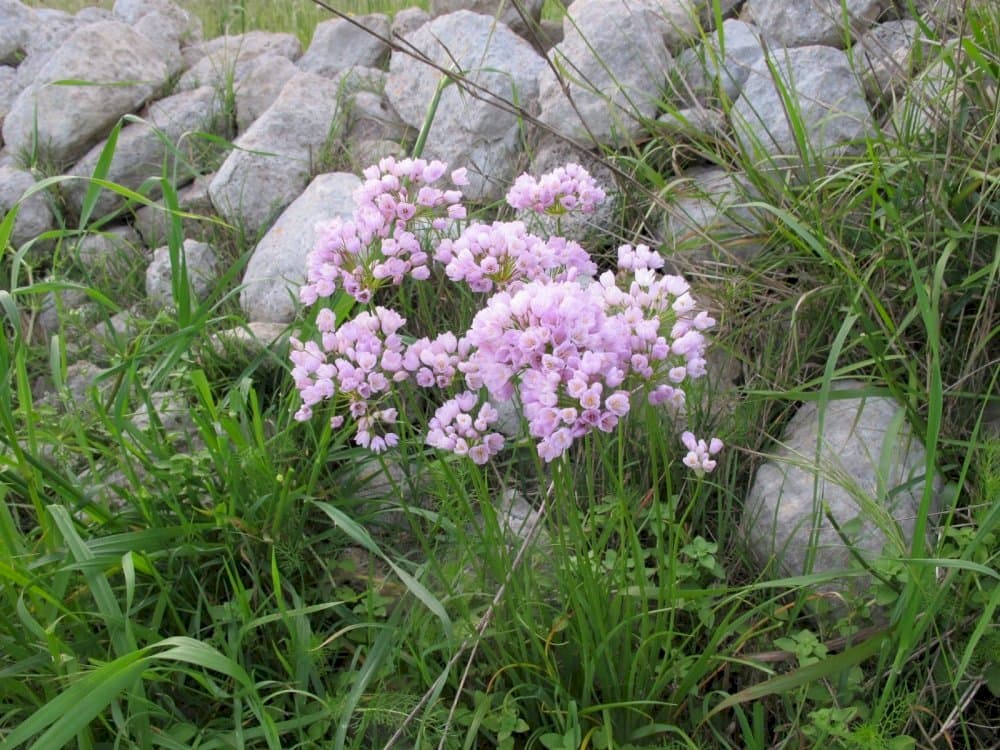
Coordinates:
[241,588]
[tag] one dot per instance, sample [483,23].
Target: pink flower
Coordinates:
[564,189]
[377,245]
[698,458]
[454,428]
[617,403]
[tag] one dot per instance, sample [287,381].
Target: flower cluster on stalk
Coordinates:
[568,188]
[504,254]
[576,351]
[380,243]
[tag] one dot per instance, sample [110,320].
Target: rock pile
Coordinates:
[613,73]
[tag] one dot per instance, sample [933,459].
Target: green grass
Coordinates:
[238,579]
[295,16]
[298,17]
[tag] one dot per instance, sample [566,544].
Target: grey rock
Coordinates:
[277,267]
[226,60]
[93,15]
[131,11]
[45,36]
[170,410]
[111,337]
[158,29]
[202,272]
[82,381]
[9,89]
[886,62]
[831,106]
[34,216]
[929,103]
[518,518]
[359,78]
[939,13]
[179,23]
[521,16]
[468,130]
[249,341]
[69,119]
[254,44]
[364,153]
[54,15]
[383,479]
[991,419]
[614,64]
[164,137]
[815,22]
[509,418]
[409,20]
[684,20]
[153,222]
[260,87]
[59,306]
[110,488]
[708,220]
[109,255]
[692,124]
[719,65]
[277,154]
[81,377]
[17,20]
[860,460]
[339,44]
[548,35]
[372,118]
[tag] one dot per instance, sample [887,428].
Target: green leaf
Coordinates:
[823,669]
[63,717]
[992,677]
[362,537]
[101,170]
[191,651]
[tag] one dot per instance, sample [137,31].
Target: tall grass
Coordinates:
[239,579]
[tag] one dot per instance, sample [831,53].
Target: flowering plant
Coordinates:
[576,350]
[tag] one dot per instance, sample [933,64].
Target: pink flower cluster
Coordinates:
[576,354]
[504,255]
[699,457]
[360,361]
[568,188]
[552,342]
[379,243]
[574,351]
[454,428]
[638,258]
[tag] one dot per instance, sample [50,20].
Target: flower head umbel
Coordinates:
[380,244]
[568,360]
[457,427]
[568,188]
[699,457]
[504,255]
[638,258]
[359,362]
